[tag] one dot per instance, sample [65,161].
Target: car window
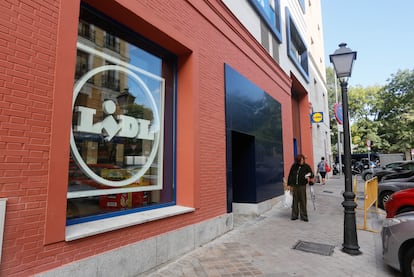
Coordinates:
[409,166]
[392,165]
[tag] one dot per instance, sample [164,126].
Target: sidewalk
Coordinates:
[263,246]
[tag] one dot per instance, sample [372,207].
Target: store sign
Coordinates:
[125,126]
[317,117]
[119,126]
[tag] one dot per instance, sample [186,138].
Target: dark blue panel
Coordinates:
[253,112]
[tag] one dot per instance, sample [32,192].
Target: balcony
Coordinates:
[110,82]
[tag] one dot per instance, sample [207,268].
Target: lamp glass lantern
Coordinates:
[342,60]
[125,99]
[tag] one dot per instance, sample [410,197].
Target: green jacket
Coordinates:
[297,175]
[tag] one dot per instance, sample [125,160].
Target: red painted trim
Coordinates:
[61,122]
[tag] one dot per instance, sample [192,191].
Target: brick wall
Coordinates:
[27,52]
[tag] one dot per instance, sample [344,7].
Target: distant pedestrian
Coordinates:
[299,176]
[322,169]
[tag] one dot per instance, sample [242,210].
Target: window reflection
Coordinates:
[119,153]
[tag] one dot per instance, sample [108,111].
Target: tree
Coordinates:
[396,114]
[363,110]
[384,115]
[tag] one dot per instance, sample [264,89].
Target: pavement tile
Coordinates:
[263,246]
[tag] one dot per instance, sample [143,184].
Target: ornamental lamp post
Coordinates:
[342,60]
[125,99]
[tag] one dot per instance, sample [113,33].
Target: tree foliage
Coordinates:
[384,115]
[397,111]
[363,111]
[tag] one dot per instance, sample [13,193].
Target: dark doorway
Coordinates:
[243,184]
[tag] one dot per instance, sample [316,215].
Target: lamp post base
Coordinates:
[352,252]
[350,245]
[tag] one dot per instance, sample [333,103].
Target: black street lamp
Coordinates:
[125,99]
[342,60]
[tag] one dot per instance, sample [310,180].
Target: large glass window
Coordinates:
[122,123]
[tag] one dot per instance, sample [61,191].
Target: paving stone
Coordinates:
[262,246]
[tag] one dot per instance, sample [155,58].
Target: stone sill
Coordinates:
[83,230]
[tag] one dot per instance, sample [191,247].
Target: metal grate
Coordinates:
[312,247]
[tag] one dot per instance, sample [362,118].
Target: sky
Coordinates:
[380,31]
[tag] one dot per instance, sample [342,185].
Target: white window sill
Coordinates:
[83,230]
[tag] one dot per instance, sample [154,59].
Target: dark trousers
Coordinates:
[299,202]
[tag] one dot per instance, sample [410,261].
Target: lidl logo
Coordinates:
[317,117]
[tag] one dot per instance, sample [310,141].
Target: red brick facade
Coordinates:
[38,50]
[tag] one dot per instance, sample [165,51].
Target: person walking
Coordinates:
[322,169]
[299,175]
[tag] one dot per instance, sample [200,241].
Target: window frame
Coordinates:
[296,42]
[276,30]
[302,5]
[167,57]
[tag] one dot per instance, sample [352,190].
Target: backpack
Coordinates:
[321,166]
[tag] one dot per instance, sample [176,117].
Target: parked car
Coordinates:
[398,175]
[369,173]
[400,202]
[398,242]
[386,188]
[403,167]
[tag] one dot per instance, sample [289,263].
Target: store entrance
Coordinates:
[242,188]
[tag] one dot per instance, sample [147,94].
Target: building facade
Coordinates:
[291,32]
[133,131]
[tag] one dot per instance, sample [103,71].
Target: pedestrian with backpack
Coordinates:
[322,169]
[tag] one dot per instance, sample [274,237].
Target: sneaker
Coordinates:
[305,219]
[293,218]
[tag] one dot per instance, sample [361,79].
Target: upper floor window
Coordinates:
[302,5]
[111,42]
[110,79]
[82,64]
[269,11]
[85,30]
[296,47]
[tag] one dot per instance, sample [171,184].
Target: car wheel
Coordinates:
[407,263]
[367,176]
[384,197]
[405,209]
